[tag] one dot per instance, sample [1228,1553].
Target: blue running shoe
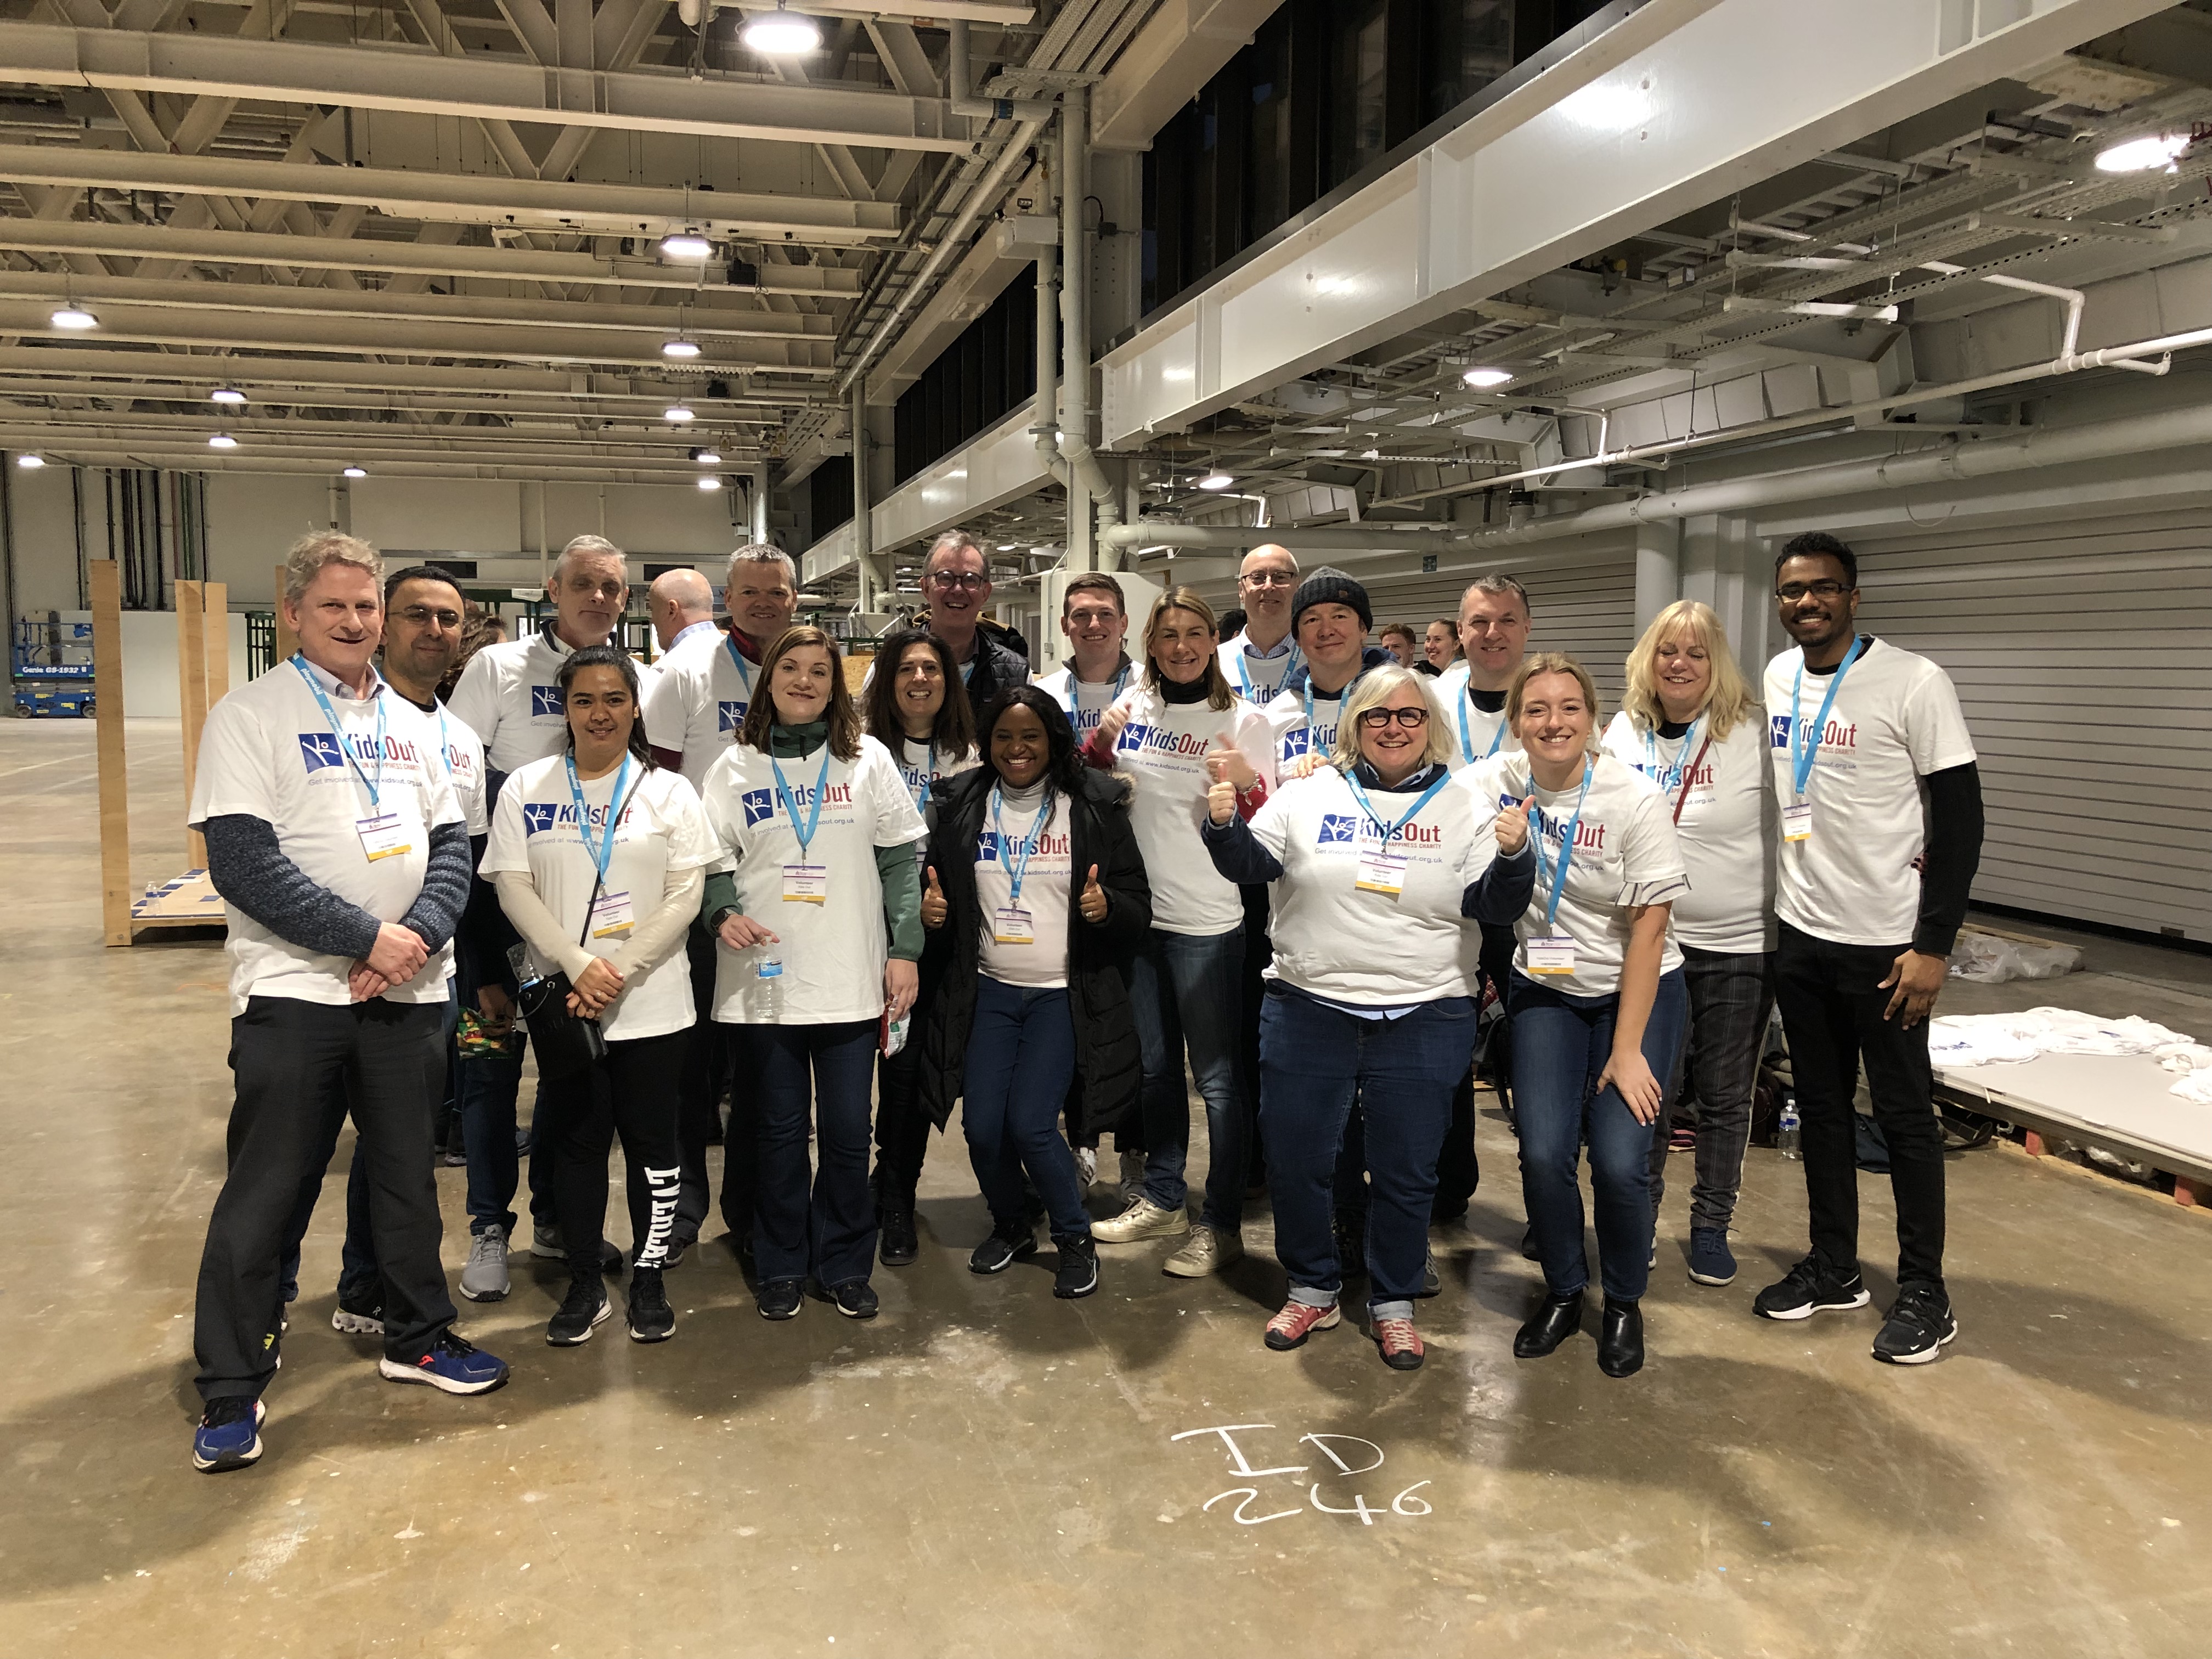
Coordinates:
[229,1434]
[454,1365]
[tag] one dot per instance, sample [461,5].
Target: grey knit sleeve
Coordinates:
[250,872]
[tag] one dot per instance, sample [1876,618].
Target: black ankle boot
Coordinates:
[1620,1339]
[1557,1319]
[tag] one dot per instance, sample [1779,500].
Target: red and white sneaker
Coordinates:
[1297,1320]
[1399,1342]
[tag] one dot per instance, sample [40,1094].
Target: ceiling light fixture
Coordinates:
[1483,379]
[707,456]
[2142,154]
[74,317]
[779,34]
[686,245]
[223,440]
[677,413]
[30,461]
[1215,480]
[356,472]
[710,482]
[227,395]
[679,347]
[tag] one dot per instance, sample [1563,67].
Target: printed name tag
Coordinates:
[1797,822]
[806,883]
[383,837]
[1382,870]
[1555,955]
[612,916]
[1012,925]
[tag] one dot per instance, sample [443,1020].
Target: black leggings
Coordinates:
[632,1091]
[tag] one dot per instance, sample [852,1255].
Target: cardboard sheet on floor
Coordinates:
[2122,1102]
[189,897]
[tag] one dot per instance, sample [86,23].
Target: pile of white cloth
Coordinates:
[1998,1039]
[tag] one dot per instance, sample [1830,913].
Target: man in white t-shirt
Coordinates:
[1258,660]
[681,603]
[1882,830]
[336,839]
[1094,619]
[510,693]
[693,712]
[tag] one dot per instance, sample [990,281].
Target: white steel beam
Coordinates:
[590,413]
[456,198]
[1180,47]
[1676,105]
[428,82]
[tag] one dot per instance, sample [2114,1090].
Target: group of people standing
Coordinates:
[1279,864]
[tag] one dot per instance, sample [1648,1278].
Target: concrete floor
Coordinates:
[984,1471]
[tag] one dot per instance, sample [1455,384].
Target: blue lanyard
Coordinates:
[1075,690]
[1802,750]
[1245,674]
[1466,740]
[1018,873]
[1666,777]
[375,785]
[602,854]
[745,674]
[1308,688]
[1389,830]
[790,807]
[1566,842]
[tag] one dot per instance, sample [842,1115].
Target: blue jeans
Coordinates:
[824,1222]
[1184,991]
[1314,1062]
[490,1086]
[1560,1044]
[1021,1056]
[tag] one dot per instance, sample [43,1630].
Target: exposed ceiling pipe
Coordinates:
[1086,476]
[959,77]
[1044,429]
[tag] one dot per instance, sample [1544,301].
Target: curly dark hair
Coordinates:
[1064,767]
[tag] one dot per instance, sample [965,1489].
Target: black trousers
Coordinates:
[699,1093]
[300,1066]
[1457,1173]
[901,1125]
[1832,1004]
[633,1092]
[1730,996]
[1259,952]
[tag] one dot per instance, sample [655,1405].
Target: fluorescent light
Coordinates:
[1215,480]
[710,482]
[1008,547]
[30,461]
[2142,154]
[223,440]
[677,412]
[1483,379]
[356,472]
[779,34]
[74,317]
[679,347]
[707,456]
[229,395]
[686,245]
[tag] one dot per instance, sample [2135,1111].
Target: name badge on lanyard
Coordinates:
[1554,954]
[611,912]
[1382,863]
[383,837]
[1551,953]
[1011,923]
[612,916]
[805,882]
[1797,822]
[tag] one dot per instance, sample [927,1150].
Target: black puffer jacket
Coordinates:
[1107,1067]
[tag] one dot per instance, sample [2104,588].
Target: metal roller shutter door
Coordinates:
[2083,653]
[1587,610]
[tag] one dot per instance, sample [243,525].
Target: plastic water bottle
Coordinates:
[1787,1138]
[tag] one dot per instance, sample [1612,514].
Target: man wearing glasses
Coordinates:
[1259,660]
[956,586]
[1881,832]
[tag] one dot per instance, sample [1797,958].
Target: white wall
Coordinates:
[149,660]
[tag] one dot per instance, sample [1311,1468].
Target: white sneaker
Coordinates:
[485,1278]
[1208,1252]
[1133,1177]
[1142,1219]
[1086,1166]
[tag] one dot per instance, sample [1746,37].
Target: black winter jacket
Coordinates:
[1108,1066]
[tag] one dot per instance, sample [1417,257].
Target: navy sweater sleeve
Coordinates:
[250,872]
[1497,898]
[1953,854]
[436,912]
[1237,854]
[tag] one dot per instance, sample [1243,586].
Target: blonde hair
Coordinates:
[1218,693]
[1727,696]
[1552,662]
[308,557]
[1377,687]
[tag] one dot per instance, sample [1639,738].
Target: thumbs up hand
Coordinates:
[1513,827]
[1111,725]
[1094,898]
[1221,801]
[933,908]
[1225,762]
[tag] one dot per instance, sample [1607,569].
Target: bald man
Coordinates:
[681,603]
[1259,659]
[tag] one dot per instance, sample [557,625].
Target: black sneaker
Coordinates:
[855,1298]
[1920,1323]
[1077,1273]
[1809,1288]
[583,1308]
[894,1236]
[779,1298]
[1010,1242]
[651,1318]
[673,1252]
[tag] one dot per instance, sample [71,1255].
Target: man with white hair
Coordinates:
[956,587]
[681,603]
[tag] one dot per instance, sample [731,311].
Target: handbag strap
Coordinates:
[1683,794]
[614,822]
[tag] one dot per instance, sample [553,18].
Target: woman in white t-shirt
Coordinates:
[1689,723]
[599,857]
[819,928]
[1377,859]
[1167,734]
[1597,1001]
[917,707]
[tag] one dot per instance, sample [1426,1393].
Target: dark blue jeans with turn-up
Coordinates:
[1315,1061]
[824,1224]
[1021,1058]
[1560,1045]
[1183,992]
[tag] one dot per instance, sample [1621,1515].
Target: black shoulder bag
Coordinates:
[567,1042]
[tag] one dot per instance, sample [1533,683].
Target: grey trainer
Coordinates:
[485,1278]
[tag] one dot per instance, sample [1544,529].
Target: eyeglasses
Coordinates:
[967,581]
[1269,579]
[420,614]
[1826,588]
[1374,719]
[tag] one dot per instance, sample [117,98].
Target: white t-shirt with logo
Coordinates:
[1475,734]
[1729,827]
[833,952]
[1254,678]
[1042,965]
[1303,723]
[1896,718]
[662,828]
[1162,751]
[1363,946]
[465,760]
[267,751]
[1082,702]
[699,702]
[1625,856]
[921,772]
[510,696]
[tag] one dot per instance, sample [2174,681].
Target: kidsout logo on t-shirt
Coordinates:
[759,804]
[1158,740]
[544,700]
[733,713]
[1589,838]
[1047,846]
[320,749]
[538,817]
[1835,735]
[1338,829]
